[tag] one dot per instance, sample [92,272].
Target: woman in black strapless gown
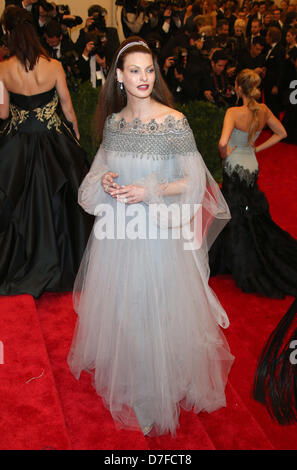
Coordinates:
[43,230]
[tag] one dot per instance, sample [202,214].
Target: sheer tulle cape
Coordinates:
[148,321]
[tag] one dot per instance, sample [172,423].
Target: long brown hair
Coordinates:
[112,99]
[249,82]
[22,38]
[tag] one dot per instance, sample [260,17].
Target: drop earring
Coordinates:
[121,86]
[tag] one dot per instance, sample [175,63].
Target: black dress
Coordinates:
[43,230]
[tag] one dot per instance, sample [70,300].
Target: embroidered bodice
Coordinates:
[34,112]
[151,140]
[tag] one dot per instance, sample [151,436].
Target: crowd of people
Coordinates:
[200,45]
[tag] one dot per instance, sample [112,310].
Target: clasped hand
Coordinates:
[130,194]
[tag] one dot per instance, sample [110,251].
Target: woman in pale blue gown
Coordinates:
[261,257]
[149,325]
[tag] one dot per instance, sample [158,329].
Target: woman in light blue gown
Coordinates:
[149,325]
[261,257]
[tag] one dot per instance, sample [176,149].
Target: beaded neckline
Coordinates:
[169,124]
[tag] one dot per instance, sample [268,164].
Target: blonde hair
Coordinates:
[241,23]
[202,20]
[208,30]
[249,81]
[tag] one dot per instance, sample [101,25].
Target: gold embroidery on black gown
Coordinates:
[18,116]
[48,113]
[45,114]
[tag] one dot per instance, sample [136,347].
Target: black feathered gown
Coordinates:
[261,257]
[43,230]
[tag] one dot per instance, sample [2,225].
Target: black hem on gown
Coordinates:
[43,230]
[261,257]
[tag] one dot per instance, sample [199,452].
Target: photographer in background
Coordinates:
[151,27]
[253,58]
[173,71]
[274,70]
[33,6]
[55,42]
[62,14]
[171,21]
[96,23]
[133,17]
[143,17]
[180,39]
[60,47]
[45,11]
[196,63]
[222,39]
[215,82]
[92,63]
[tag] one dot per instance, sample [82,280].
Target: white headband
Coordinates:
[135,43]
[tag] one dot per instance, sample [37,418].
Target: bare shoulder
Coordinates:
[163,111]
[55,70]
[49,64]
[176,114]
[232,113]
[265,110]
[235,110]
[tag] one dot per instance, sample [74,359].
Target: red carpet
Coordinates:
[31,414]
[54,411]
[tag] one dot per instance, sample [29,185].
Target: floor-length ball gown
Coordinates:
[43,230]
[148,326]
[261,257]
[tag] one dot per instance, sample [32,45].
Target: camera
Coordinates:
[99,40]
[224,98]
[71,23]
[219,98]
[99,22]
[63,10]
